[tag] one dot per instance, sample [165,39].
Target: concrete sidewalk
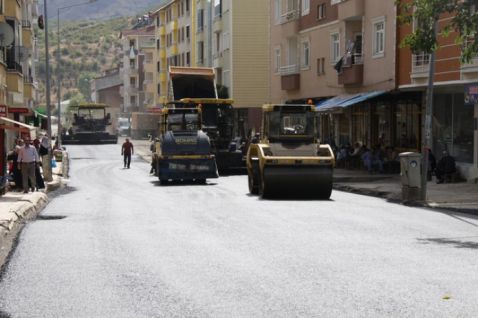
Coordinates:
[15,207]
[459,197]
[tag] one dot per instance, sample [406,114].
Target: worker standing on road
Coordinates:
[126,151]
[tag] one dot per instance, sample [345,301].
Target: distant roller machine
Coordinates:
[90,125]
[183,150]
[288,158]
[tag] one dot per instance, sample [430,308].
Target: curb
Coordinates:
[390,197]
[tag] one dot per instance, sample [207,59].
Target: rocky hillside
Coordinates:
[101,9]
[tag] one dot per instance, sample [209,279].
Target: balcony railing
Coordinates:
[420,63]
[289,69]
[289,16]
[14,66]
[471,66]
[26,24]
[27,79]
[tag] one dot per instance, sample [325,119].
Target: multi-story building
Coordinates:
[175,36]
[343,49]
[17,71]
[138,66]
[454,118]
[231,36]
[105,89]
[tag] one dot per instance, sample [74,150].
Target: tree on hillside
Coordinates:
[425,14]
[84,84]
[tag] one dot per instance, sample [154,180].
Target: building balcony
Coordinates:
[217,25]
[352,73]
[162,30]
[471,67]
[162,53]
[289,16]
[290,77]
[173,25]
[351,9]
[217,60]
[173,50]
[420,65]
[163,77]
[14,81]
[13,9]
[29,90]
[27,34]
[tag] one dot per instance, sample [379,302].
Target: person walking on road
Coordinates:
[127,150]
[28,159]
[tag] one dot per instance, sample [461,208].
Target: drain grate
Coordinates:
[50,217]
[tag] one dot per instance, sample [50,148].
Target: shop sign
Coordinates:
[3,110]
[18,110]
[471,94]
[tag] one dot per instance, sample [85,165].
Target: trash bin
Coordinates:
[410,172]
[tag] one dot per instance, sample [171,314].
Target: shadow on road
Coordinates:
[451,241]
[182,183]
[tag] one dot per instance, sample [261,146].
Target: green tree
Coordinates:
[424,39]
[426,13]
[84,84]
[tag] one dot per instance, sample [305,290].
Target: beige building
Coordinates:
[137,69]
[231,36]
[309,37]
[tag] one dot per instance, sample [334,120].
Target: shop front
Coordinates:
[455,112]
[385,120]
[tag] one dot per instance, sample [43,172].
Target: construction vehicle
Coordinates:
[183,151]
[195,86]
[288,157]
[90,125]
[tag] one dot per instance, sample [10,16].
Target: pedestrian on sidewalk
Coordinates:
[127,150]
[446,166]
[28,159]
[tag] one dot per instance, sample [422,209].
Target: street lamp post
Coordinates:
[47,173]
[58,66]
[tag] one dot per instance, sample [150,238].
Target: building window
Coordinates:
[187,7]
[158,21]
[305,54]
[321,66]
[277,10]
[334,47]
[188,59]
[158,44]
[200,20]
[277,60]
[200,52]
[132,64]
[132,81]
[158,66]
[305,7]
[131,43]
[321,11]
[378,49]
[132,100]
[218,42]
[188,33]
[217,8]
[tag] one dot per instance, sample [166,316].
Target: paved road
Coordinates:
[117,244]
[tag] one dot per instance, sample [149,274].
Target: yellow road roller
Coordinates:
[288,159]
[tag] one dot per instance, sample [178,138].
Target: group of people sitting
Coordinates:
[379,160]
[374,160]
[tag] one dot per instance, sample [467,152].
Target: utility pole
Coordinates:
[58,79]
[427,142]
[46,164]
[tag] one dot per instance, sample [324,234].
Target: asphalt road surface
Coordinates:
[115,243]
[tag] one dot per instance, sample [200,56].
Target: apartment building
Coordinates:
[18,88]
[341,54]
[174,37]
[137,69]
[454,119]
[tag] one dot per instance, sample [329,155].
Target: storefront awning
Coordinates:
[342,101]
[23,126]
